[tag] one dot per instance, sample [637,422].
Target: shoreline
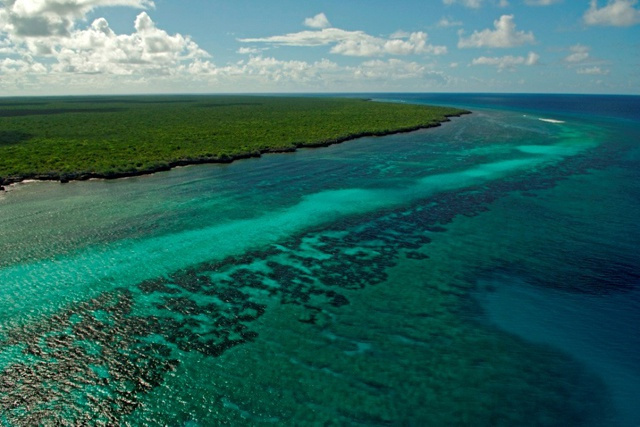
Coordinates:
[223,159]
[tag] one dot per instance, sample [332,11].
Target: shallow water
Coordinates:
[470,274]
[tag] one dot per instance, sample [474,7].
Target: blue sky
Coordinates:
[205,46]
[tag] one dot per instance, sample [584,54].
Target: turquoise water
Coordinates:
[485,272]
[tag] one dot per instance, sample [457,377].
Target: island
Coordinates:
[78,138]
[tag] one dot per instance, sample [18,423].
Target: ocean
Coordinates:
[484,272]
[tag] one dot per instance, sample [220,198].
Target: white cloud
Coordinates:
[272,73]
[504,35]
[507,62]
[400,34]
[503,3]
[148,50]
[6,47]
[579,53]
[248,50]
[98,50]
[356,43]
[447,22]
[593,71]
[416,43]
[473,4]
[42,44]
[318,21]
[274,70]
[392,68]
[44,18]
[22,66]
[268,70]
[617,13]
[66,54]
[541,2]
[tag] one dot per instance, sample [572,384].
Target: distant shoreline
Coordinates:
[74,139]
[225,159]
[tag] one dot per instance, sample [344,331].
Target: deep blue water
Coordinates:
[611,106]
[485,272]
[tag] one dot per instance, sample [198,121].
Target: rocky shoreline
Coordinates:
[83,176]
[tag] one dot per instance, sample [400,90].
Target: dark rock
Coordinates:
[416,255]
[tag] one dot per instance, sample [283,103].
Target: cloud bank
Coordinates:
[354,43]
[44,18]
[149,49]
[617,13]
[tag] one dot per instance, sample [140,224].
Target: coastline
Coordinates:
[224,159]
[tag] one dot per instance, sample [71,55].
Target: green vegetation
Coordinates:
[82,137]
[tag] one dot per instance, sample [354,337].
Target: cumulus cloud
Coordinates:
[268,73]
[42,43]
[318,21]
[579,53]
[148,58]
[593,71]
[473,4]
[504,35]
[366,45]
[507,62]
[44,18]
[21,66]
[99,50]
[356,43]
[617,13]
[272,70]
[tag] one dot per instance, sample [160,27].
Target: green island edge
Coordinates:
[79,138]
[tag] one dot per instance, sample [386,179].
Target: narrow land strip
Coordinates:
[77,138]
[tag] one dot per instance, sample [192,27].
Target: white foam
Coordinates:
[550,120]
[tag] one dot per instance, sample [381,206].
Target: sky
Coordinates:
[68,47]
